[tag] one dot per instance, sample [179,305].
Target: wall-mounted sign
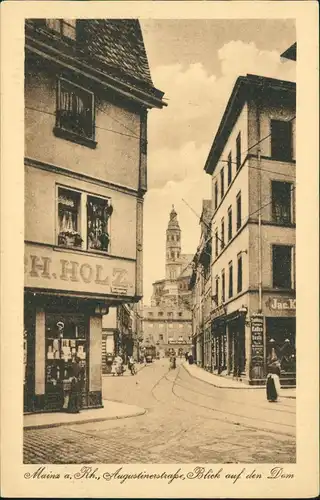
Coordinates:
[281,304]
[219,311]
[62,270]
[257,344]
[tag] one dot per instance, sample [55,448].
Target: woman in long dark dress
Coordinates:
[273,377]
[75,392]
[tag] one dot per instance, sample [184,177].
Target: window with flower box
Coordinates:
[83,220]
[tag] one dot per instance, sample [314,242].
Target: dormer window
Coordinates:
[63,27]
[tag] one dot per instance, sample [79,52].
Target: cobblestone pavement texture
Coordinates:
[187,421]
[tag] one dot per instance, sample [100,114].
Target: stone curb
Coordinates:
[85,421]
[250,387]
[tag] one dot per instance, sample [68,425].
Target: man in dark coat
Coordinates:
[76,377]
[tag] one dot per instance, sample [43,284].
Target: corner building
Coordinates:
[252,164]
[87,94]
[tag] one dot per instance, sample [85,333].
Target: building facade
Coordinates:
[121,334]
[252,164]
[167,322]
[200,285]
[87,94]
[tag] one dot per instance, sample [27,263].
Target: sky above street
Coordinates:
[196,63]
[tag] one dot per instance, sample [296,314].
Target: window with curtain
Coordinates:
[99,211]
[68,218]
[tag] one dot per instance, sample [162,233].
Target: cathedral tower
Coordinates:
[173,247]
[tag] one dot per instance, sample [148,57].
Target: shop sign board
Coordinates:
[281,304]
[218,311]
[70,271]
[257,343]
[178,342]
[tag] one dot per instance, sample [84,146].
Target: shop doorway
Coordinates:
[281,335]
[237,350]
[66,335]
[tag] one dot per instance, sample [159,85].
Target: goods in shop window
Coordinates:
[50,352]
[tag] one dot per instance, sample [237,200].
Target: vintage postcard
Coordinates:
[159,249]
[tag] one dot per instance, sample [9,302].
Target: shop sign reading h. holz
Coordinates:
[45,268]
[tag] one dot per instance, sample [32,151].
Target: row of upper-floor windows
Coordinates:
[283,274]
[281,139]
[282,213]
[161,314]
[220,281]
[150,325]
[220,234]
[180,338]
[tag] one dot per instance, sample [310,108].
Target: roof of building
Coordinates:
[115,47]
[246,87]
[118,43]
[291,52]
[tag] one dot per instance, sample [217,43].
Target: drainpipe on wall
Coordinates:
[259,235]
[259,213]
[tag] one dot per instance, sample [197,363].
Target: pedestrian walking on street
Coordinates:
[190,358]
[186,356]
[131,365]
[273,377]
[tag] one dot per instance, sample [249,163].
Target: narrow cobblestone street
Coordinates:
[187,421]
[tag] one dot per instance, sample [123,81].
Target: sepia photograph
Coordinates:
[159,241]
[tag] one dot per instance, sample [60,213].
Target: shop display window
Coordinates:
[66,337]
[98,213]
[86,229]
[68,215]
